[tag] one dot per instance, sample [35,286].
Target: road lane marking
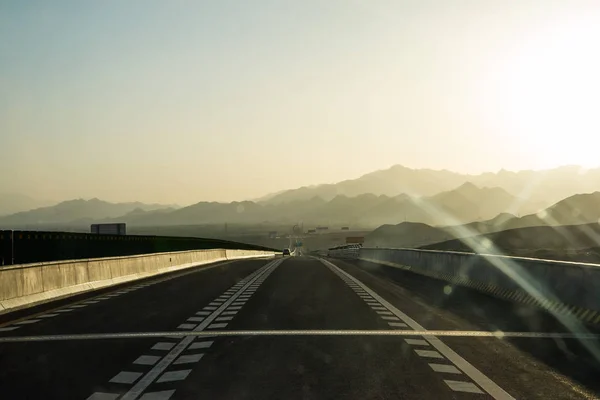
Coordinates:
[210,308]
[187,326]
[195,319]
[235,308]
[477,376]
[188,359]
[27,322]
[417,342]
[153,375]
[103,396]
[229,312]
[444,368]
[216,326]
[308,332]
[173,376]
[8,328]
[203,313]
[162,395]
[221,319]
[428,353]
[200,345]
[459,386]
[163,346]
[126,377]
[47,315]
[147,360]
[398,324]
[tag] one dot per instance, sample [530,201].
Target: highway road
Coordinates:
[293,328]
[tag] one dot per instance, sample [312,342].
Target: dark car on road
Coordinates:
[286,252]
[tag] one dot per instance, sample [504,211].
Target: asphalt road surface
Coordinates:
[293,328]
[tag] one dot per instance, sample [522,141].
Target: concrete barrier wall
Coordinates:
[557,285]
[29,284]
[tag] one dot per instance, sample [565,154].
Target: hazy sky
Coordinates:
[182,101]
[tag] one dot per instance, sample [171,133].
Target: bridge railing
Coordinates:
[23,247]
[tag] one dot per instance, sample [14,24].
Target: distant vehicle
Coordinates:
[286,252]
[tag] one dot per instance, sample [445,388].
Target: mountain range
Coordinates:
[542,187]
[74,211]
[389,197]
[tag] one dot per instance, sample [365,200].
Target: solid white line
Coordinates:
[483,381]
[47,315]
[382,332]
[8,328]
[78,306]
[159,368]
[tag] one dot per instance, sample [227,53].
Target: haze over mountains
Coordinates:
[544,187]
[392,196]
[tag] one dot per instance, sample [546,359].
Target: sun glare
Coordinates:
[548,94]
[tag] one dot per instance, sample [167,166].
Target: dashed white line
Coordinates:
[150,377]
[162,395]
[210,308]
[173,376]
[217,326]
[187,326]
[459,386]
[47,315]
[188,359]
[479,378]
[417,342]
[200,345]
[27,322]
[203,313]
[236,308]
[126,377]
[229,312]
[147,360]
[195,319]
[163,346]
[398,324]
[444,368]
[103,396]
[8,328]
[428,353]
[220,319]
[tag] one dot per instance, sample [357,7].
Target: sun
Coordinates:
[547,93]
